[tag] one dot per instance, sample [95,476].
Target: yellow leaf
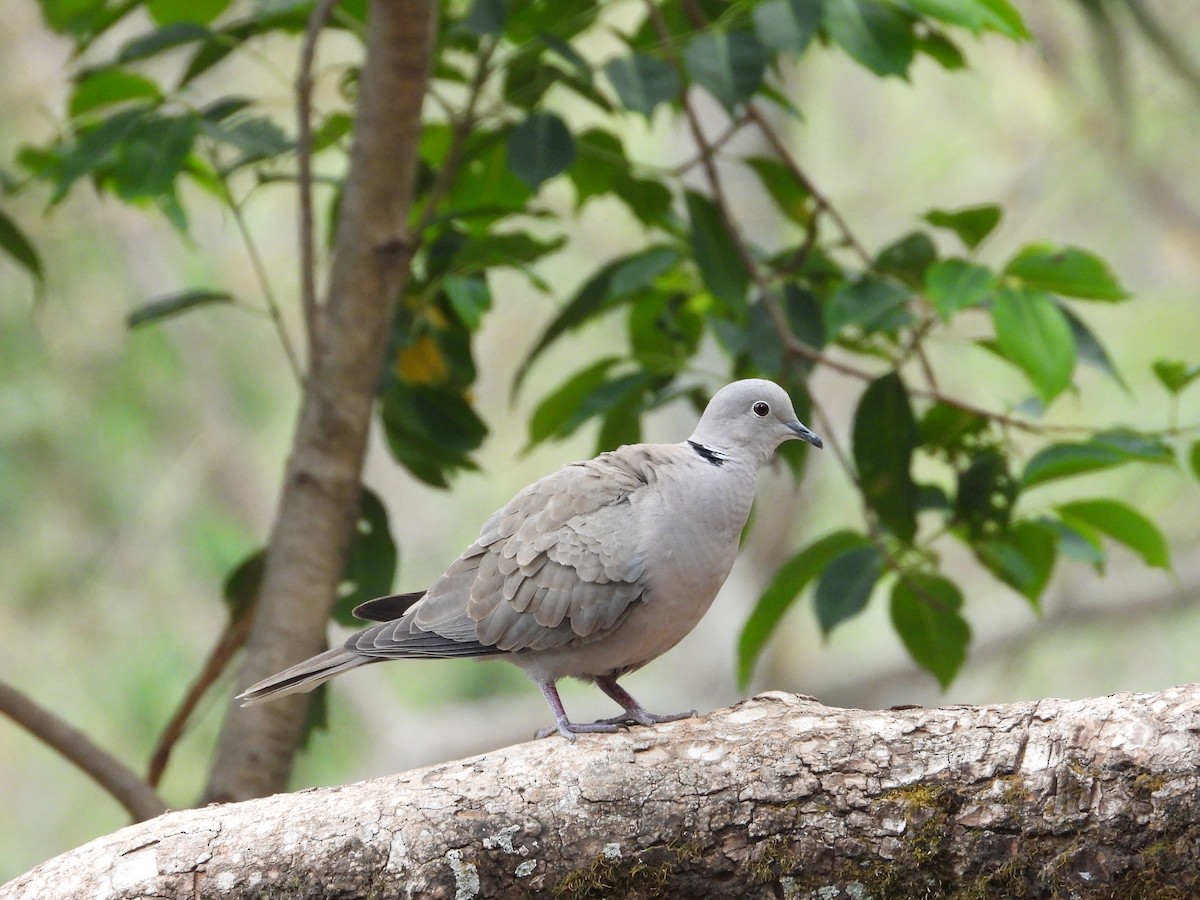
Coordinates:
[421,362]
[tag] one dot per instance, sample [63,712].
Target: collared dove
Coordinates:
[590,572]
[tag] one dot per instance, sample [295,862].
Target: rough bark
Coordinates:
[775,797]
[319,502]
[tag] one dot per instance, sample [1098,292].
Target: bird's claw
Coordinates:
[641,717]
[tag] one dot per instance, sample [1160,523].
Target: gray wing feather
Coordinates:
[559,564]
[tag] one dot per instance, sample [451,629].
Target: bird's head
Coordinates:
[751,418]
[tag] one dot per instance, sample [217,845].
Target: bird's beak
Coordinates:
[805,434]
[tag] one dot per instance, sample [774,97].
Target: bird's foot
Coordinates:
[642,717]
[570,729]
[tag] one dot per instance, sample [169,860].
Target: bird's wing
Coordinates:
[560,564]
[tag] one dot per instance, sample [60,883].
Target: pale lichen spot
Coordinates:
[525,869]
[466,876]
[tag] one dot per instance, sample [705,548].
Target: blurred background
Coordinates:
[137,468]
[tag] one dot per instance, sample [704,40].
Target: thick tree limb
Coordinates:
[775,797]
[307,552]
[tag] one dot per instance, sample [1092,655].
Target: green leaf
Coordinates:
[1102,451]
[431,429]
[925,613]
[787,192]
[870,304]
[167,37]
[1065,270]
[721,268]
[105,87]
[953,285]
[1033,333]
[96,147]
[642,82]
[885,435]
[14,242]
[639,270]
[787,26]
[876,34]
[540,148]
[793,576]
[941,50]
[492,250]
[371,561]
[971,223]
[75,17]
[550,416]
[647,199]
[166,12]
[242,584]
[664,331]
[613,284]
[486,17]
[257,137]
[148,165]
[845,586]
[1066,459]
[974,15]
[1079,542]
[1194,459]
[1123,524]
[950,428]
[985,495]
[1175,375]
[225,107]
[908,258]
[1136,445]
[470,297]
[586,394]
[1088,348]
[173,304]
[600,162]
[1023,558]
[728,64]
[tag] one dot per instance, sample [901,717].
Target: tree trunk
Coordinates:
[306,556]
[775,797]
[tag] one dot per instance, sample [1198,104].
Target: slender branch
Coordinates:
[304,86]
[121,782]
[823,204]
[461,130]
[230,641]
[735,125]
[260,271]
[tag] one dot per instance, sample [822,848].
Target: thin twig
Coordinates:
[823,203]
[460,132]
[304,86]
[121,782]
[230,641]
[260,271]
[735,125]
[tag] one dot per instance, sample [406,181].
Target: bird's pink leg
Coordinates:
[565,726]
[635,712]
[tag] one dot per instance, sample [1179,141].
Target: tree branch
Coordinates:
[230,641]
[777,796]
[105,769]
[306,555]
[304,85]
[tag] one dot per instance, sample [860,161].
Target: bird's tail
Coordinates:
[305,676]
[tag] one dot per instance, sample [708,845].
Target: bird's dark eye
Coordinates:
[761,409]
